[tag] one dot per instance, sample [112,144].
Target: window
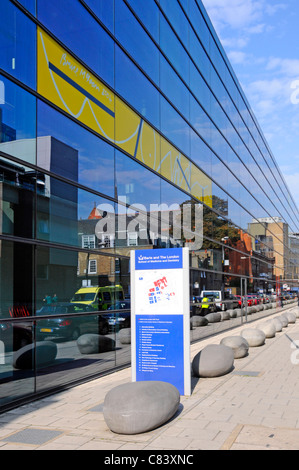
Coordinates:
[108,241]
[88,241]
[92,266]
[132,239]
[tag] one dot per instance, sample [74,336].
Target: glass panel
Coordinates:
[179,22]
[174,50]
[30,5]
[71,287]
[81,33]
[149,16]
[18,44]
[67,149]
[140,93]
[68,215]
[16,286]
[16,301]
[17,121]
[174,127]
[104,11]
[17,200]
[16,369]
[136,41]
[173,88]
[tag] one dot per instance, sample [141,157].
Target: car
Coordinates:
[119,319]
[69,327]
[222,300]
[252,299]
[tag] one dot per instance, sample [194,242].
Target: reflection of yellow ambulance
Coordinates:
[100,298]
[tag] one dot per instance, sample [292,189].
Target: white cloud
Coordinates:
[237,57]
[237,14]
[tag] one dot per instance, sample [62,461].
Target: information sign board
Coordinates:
[160,316]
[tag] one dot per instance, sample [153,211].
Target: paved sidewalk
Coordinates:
[256,406]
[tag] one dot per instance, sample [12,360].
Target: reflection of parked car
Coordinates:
[222,300]
[68,327]
[119,319]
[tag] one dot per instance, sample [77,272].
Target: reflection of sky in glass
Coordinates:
[19,114]
[30,5]
[79,31]
[18,44]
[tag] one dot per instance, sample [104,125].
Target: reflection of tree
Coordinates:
[215,227]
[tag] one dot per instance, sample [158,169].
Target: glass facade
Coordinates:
[124,114]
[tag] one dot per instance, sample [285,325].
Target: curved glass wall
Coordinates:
[128,115]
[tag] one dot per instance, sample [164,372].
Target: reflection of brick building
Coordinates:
[258,268]
[272,241]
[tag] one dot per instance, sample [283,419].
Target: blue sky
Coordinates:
[261,41]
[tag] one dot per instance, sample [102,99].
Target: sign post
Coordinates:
[160,317]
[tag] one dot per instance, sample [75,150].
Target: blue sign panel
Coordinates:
[160,349]
[171,258]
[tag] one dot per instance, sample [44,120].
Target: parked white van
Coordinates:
[223,301]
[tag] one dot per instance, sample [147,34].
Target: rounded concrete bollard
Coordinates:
[213,361]
[268,328]
[138,407]
[93,344]
[45,353]
[254,337]
[125,336]
[291,317]
[277,323]
[197,321]
[284,321]
[233,313]
[238,344]
[213,317]
[224,314]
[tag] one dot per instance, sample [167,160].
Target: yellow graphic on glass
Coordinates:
[67,84]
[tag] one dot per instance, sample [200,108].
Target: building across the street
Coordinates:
[123,127]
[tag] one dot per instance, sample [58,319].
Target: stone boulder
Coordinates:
[254,337]
[93,344]
[291,317]
[44,352]
[268,328]
[277,323]
[224,314]
[284,320]
[238,344]
[138,407]
[213,361]
[213,317]
[125,336]
[197,320]
[233,313]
